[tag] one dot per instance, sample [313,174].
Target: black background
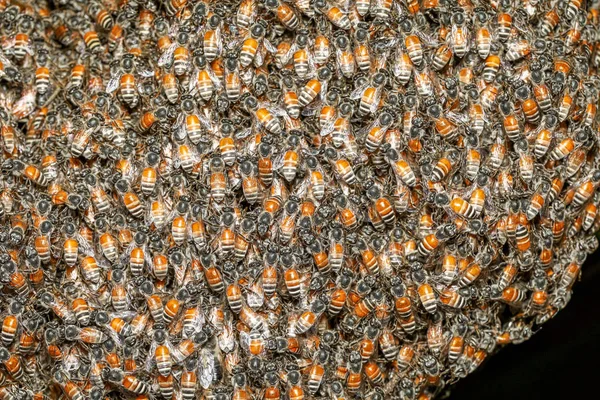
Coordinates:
[558,362]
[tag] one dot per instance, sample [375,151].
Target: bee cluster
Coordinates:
[292,199]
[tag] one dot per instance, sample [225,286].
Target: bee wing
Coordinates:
[244,340]
[180,271]
[214,78]
[366,129]
[246,76]
[146,73]
[206,119]
[278,161]
[227,338]
[323,92]
[180,132]
[25,105]
[206,368]
[150,357]
[375,103]
[243,134]
[113,84]
[80,47]
[312,109]
[85,248]
[5,61]
[288,56]
[269,46]
[328,128]
[255,295]
[358,92]
[167,56]
[459,119]
[427,39]
[124,315]
[220,41]
[259,59]
[346,5]
[311,64]
[302,188]
[8,43]
[193,82]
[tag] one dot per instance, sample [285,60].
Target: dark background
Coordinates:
[558,362]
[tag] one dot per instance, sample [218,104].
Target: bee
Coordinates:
[126,83]
[342,166]
[302,58]
[542,143]
[459,37]
[483,38]
[264,116]
[369,96]
[441,57]
[362,52]
[573,36]
[42,74]
[443,126]
[290,97]
[321,47]
[344,56]
[265,163]
[227,147]
[403,171]
[562,149]
[513,295]
[340,294]
[284,13]
[378,131]
[101,15]
[504,26]
[212,40]
[246,13]
[233,83]
[586,190]
[526,160]
[490,70]
[250,181]
[206,81]
[528,105]
[497,154]
[92,41]
[414,49]
[22,44]
[334,14]
[148,179]
[341,129]
[549,22]
[227,234]
[218,180]
[403,66]
[10,325]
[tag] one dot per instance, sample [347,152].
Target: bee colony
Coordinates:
[269,199]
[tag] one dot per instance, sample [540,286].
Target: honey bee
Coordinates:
[344,56]
[369,96]
[264,116]
[443,126]
[334,14]
[362,52]
[301,57]
[459,36]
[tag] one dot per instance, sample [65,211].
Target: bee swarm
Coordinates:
[269,199]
